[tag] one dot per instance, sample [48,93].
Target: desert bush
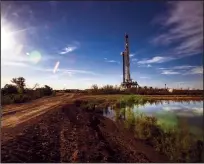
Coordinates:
[9,89]
[21,98]
[44,91]
[7,100]
[47,90]
[15,98]
[18,94]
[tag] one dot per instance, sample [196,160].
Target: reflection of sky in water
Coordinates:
[182,108]
[109,113]
[171,113]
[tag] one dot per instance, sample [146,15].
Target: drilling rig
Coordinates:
[127,81]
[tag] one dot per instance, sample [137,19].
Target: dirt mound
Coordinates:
[72,135]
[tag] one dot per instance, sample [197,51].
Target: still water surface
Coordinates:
[168,113]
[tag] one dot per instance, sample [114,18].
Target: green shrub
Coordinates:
[44,91]
[9,89]
[47,90]
[6,100]
[21,98]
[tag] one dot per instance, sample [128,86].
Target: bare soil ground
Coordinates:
[52,129]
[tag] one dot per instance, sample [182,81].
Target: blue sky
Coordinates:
[77,44]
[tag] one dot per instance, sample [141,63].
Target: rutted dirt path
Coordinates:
[70,134]
[16,114]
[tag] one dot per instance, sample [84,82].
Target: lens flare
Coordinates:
[56,67]
[35,57]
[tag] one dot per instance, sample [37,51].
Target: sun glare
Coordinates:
[7,40]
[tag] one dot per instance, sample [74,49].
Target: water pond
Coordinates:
[168,113]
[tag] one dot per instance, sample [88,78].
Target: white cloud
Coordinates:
[183,67]
[15,64]
[68,49]
[162,68]
[169,72]
[156,59]
[131,55]
[74,71]
[111,61]
[134,59]
[183,70]
[184,24]
[196,70]
[149,65]
[144,77]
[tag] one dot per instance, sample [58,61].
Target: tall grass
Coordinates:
[177,143]
[130,101]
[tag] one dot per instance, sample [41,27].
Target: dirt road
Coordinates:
[47,130]
[16,114]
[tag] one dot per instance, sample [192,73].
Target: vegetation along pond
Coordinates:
[169,114]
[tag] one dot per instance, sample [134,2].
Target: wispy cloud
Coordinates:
[196,70]
[68,49]
[183,70]
[111,61]
[131,55]
[144,77]
[169,72]
[156,59]
[184,25]
[15,64]
[144,65]
[183,67]
[79,71]
[162,68]
[134,59]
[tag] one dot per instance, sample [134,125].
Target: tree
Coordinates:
[20,83]
[94,87]
[35,86]
[9,89]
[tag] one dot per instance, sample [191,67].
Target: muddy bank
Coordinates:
[71,134]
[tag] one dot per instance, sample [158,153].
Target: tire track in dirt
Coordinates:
[14,108]
[37,143]
[28,111]
[68,134]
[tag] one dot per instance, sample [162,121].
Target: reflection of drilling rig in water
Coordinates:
[127,81]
